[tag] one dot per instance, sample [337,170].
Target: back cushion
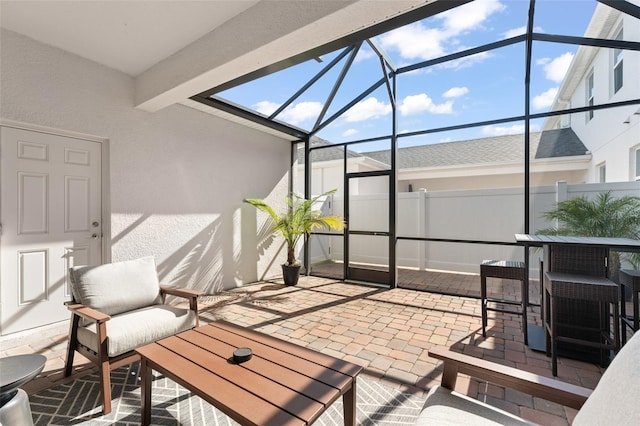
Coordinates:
[614,401]
[118,287]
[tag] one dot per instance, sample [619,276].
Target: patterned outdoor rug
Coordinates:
[77,403]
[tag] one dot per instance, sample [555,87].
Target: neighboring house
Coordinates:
[600,76]
[494,162]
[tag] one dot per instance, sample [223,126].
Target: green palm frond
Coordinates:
[604,216]
[299,219]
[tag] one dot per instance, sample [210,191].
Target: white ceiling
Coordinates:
[177,48]
[129,36]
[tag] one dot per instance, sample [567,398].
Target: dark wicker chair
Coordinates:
[560,286]
[629,279]
[507,270]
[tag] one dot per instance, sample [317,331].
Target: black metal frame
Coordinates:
[352,43]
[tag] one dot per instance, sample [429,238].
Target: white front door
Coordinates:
[51,220]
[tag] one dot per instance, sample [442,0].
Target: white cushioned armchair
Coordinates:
[118,307]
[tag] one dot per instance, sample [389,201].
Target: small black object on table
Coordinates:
[241,355]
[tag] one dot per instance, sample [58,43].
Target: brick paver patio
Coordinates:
[388,331]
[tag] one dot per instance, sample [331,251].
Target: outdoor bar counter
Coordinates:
[575,255]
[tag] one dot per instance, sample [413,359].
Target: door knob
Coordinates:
[95,236]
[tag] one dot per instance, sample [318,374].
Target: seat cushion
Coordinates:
[614,401]
[444,407]
[133,329]
[117,287]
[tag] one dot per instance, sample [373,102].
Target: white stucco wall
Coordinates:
[177,176]
[611,133]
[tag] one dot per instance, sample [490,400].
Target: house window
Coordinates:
[637,168]
[617,66]
[589,100]
[602,173]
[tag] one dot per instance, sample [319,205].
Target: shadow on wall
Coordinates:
[198,264]
[210,253]
[189,249]
[222,244]
[269,248]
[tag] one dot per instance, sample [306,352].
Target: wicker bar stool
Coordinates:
[629,279]
[508,270]
[573,287]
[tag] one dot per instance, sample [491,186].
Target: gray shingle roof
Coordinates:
[496,149]
[327,154]
[559,143]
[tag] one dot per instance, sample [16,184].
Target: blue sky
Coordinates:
[476,88]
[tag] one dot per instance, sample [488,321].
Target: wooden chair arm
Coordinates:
[532,384]
[88,313]
[186,293]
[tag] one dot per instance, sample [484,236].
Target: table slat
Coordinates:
[313,389]
[325,360]
[226,396]
[301,365]
[296,403]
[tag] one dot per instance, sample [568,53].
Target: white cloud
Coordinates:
[515,129]
[364,53]
[294,114]
[467,61]
[545,99]
[418,104]
[266,107]
[455,92]
[519,31]
[419,42]
[543,61]
[369,108]
[515,32]
[415,41]
[300,112]
[556,68]
[349,132]
[469,16]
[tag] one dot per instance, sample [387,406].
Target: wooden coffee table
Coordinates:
[282,384]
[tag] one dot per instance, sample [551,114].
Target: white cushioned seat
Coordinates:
[133,329]
[119,307]
[130,293]
[614,401]
[446,407]
[119,287]
[616,398]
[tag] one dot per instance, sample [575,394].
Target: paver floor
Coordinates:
[388,331]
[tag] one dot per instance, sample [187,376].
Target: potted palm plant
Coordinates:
[603,216]
[298,220]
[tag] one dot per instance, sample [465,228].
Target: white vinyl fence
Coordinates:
[473,215]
